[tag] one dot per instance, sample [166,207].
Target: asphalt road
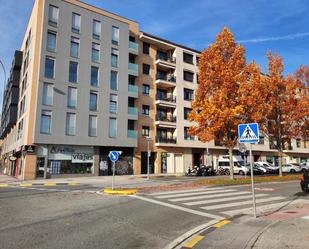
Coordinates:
[62,217]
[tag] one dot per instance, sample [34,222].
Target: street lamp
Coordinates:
[148,155]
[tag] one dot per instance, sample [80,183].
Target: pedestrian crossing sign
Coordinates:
[248,133]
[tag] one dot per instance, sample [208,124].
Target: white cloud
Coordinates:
[275,38]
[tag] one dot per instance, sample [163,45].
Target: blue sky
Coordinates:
[281,26]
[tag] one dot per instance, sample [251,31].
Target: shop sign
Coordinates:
[82,158]
[61,150]
[12,158]
[29,149]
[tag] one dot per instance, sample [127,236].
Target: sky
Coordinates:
[281,26]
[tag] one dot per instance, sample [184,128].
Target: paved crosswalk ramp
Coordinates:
[224,201]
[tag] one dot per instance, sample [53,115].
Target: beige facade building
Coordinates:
[89,82]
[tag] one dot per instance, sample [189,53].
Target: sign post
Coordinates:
[113,156]
[249,133]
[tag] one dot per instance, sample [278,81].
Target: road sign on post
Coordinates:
[113,156]
[249,133]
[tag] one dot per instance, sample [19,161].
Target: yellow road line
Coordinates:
[120,191]
[192,242]
[25,184]
[4,185]
[221,223]
[50,184]
[73,183]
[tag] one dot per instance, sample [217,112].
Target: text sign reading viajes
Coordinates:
[248,133]
[113,156]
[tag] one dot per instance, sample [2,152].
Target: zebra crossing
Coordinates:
[223,201]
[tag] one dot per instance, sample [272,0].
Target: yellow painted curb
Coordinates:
[120,192]
[73,183]
[50,184]
[4,185]
[25,184]
[192,242]
[221,223]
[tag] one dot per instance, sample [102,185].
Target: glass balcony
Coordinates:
[133,67]
[132,111]
[166,118]
[133,46]
[166,58]
[132,88]
[132,134]
[166,77]
[168,98]
[166,140]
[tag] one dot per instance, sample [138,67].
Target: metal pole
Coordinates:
[113,181]
[148,159]
[252,182]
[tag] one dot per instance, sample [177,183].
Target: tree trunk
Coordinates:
[280,162]
[231,163]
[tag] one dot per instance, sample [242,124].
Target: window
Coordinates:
[146,47]
[93,101]
[20,129]
[114,81]
[112,131]
[113,103]
[53,15]
[46,122]
[145,110]
[49,67]
[73,72]
[22,106]
[115,35]
[92,129]
[95,52]
[146,89]
[70,128]
[261,140]
[146,68]
[188,58]
[186,112]
[76,19]
[187,136]
[188,94]
[188,76]
[72,97]
[48,94]
[74,49]
[94,76]
[51,41]
[298,143]
[145,131]
[114,60]
[96,29]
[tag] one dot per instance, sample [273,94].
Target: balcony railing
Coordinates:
[188,137]
[170,59]
[132,133]
[133,67]
[170,98]
[166,140]
[133,46]
[132,110]
[166,118]
[132,88]
[166,77]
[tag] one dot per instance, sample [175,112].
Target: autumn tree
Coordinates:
[289,108]
[224,97]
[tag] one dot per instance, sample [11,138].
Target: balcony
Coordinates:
[133,47]
[132,133]
[166,140]
[133,69]
[167,101]
[165,61]
[166,121]
[165,80]
[133,113]
[133,90]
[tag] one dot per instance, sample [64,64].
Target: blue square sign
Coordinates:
[248,133]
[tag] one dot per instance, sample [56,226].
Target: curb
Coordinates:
[120,191]
[3,185]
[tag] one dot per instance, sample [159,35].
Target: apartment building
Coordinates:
[88,81]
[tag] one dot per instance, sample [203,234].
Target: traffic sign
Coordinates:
[248,133]
[113,156]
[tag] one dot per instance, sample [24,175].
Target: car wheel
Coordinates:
[303,170]
[241,172]
[292,171]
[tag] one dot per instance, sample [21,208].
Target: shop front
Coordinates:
[65,160]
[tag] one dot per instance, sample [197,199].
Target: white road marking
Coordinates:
[212,216]
[184,191]
[305,217]
[192,194]
[233,198]
[209,196]
[235,204]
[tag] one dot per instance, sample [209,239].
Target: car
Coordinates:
[304,182]
[263,169]
[256,170]
[291,168]
[304,166]
[274,169]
